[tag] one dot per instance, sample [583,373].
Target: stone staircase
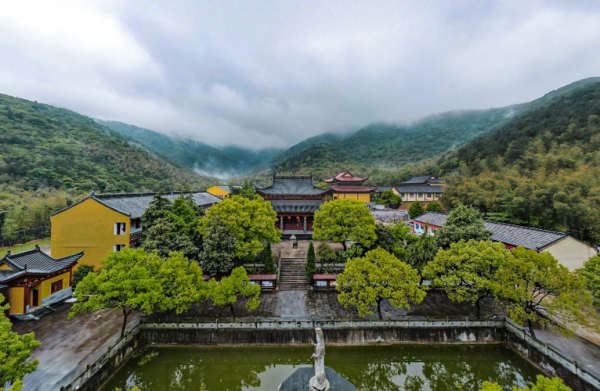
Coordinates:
[292,274]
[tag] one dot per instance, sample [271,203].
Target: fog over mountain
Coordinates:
[272,73]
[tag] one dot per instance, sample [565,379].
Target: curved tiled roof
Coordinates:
[514,235]
[292,185]
[291,206]
[342,178]
[353,189]
[419,189]
[34,262]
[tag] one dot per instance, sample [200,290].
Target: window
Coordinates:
[321,283]
[136,223]
[420,195]
[56,287]
[403,195]
[118,247]
[267,283]
[120,229]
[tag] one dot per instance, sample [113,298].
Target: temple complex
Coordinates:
[295,198]
[346,185]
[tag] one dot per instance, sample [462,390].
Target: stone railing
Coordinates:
[549,360]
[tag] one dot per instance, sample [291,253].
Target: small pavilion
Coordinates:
[346,185]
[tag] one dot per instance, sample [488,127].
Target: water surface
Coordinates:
[369,368]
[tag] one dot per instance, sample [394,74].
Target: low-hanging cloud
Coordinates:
[270,73]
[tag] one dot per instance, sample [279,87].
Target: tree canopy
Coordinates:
[536,288]
[250,221]
[218,248]
[311,267]
[542,384]
[230,289]
[367,281]
[422,251]
[591,272]
[463,223]
[415,210]
[434,207]
[467,270]
[15,350]
[345,219]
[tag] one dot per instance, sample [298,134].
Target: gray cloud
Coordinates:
[269,73]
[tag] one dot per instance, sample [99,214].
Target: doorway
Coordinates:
[36,298]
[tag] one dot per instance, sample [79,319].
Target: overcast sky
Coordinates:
[270,73]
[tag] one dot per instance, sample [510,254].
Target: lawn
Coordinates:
[25,247]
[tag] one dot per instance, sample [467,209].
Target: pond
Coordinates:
[372,368]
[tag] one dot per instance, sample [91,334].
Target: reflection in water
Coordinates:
[383,368]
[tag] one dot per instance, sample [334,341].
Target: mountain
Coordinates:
[45,147]
[542,168]
[382,150]
[203,158]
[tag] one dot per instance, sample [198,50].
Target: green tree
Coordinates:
[422,251]
[345,219]
[395,201]
[542,384]
[434,207]
[266,257]
[15,350]
[163,238]
[185,216]
[159,208]
[385,238]
[536,288]
[463,223]
[181,281]
[322,185]
[326,253]
[123,283]
[230,289]
[467,270]
[250,221]
[415,210]
[80,273]
[591,272]
[367,281]
[311,267]
[386,195]
[401,232]
[218,248]
[246,190]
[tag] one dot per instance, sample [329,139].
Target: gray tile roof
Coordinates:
[514,235]
[381,189]
[34,261]
[308,206]
[292,185]
[135,204]
[417,180]
[228,188]
[419,189]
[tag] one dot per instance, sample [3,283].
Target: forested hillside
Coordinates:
[541,169]
[48,154]
[205,159]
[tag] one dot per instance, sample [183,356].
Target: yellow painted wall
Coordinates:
[571,253]
[16,297]
[217,191]
[46,286]
[364,197]
[87,226]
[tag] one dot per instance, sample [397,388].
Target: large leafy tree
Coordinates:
[15,350]
[159,208]
[463,223]
[591,272]
[385,237]
[422,251]
[367,281]
[163,238]
[434,207]
[124,283]
[345,219]
[250,221]
[467,270]
[415,210]
[182,283]
[230,289]
[185,216]
[267,259]
[326,253]
[219,245]
[536,288]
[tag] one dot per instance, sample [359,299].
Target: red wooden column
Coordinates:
[26,299]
